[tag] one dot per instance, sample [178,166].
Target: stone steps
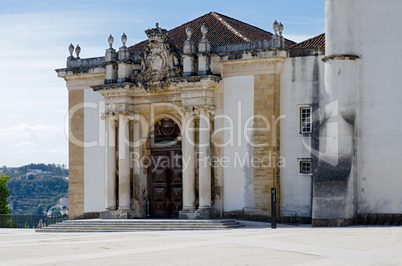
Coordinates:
[132,225]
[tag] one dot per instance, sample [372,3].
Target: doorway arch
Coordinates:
[165,171]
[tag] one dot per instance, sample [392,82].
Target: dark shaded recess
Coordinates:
[315,134]
[363,219]
[330,188]
[379,219]
[339,172]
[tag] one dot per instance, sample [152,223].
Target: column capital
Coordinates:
[205,109]
[126,115]
[117,115]
[109,116]
[186,109]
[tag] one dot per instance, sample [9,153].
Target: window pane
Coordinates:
[305,120]
[305,167]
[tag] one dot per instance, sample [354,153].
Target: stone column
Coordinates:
[110,164]
[204,157]
[124,163]
[188,159]
[136,164]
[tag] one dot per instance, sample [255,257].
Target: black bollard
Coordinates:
[273,208]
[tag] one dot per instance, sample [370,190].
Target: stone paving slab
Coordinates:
[255,244]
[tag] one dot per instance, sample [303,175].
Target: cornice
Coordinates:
[340,57]
[195,79]
[62,72]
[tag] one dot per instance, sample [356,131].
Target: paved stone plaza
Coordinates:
[255,244]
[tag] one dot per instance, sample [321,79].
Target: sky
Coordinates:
[34,41]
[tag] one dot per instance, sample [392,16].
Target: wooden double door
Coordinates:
[165,183]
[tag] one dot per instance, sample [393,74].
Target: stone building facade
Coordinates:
[201,121]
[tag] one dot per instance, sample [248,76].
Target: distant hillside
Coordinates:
[36,193]
[49,169]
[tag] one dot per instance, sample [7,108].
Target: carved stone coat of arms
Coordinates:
[159,62]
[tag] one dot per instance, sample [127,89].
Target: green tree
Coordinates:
[31,177]
[37,210]
[4,194]
[56,211]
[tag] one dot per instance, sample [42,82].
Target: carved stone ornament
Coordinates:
[186,110]
[78,51]
[158,62]
[117,115]
[275,26]
[210,109]
[71,49]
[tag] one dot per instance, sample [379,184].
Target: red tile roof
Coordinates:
[312,43]
[222,30]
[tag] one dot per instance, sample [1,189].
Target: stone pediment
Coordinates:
[159,62]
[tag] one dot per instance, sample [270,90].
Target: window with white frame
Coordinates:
[305,120]
[305,167]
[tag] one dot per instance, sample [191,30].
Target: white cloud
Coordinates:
[298,37]
[41,152]
[26,143]
[26,130]
[303,21]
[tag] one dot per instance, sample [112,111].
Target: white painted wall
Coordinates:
[378,40]
[297,81]
[238,184]
[94,152]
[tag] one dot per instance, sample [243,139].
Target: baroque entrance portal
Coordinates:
[165,171]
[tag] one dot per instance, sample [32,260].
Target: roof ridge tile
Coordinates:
[230,27]
[312,43]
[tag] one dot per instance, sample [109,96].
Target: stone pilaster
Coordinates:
[110,163]
[266,104]
[76,155]
[188,158]
[205,157]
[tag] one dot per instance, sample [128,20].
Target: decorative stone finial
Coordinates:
[78,51]
[204,29]
[189,47]
[110,40]
[280,28]
[203,45]
[157,25]
[189,32]
[124,39]
[275,26]
[71,49]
